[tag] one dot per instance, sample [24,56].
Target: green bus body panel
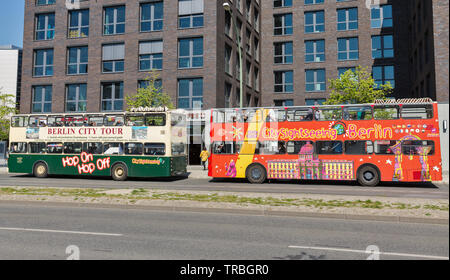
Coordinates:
[138,166]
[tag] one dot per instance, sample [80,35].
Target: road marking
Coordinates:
[61,231]
[365,252]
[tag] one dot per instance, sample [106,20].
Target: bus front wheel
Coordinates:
[40,170]
[119,172]
[256,174]
[368,176]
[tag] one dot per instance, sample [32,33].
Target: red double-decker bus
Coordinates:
[385,141]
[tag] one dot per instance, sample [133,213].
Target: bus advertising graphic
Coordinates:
[385,141]
[148,143]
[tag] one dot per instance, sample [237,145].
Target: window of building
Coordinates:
[190,93]
[282,3]
[228,90]
[45,2]
[190,53]
[157,84]
[315,80]
[113,58]
[282,24]
[76,98]
[348,49]
[314,22]
[112,96]
[45,27]
[43,63]
[283,53]
[78,24]
[284,103]
[381,17]
[150,55]
[313,2]
[228,52]
[42,99]
[342,70]
[347,19]
[383,74]
[315,101]
[190,13]
[284,81]
[77,62]
[382,46]
[315,51]
[152,16]
[114,20]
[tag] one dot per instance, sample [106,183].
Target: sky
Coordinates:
[11,22]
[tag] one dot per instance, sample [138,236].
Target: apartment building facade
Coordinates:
[89,55]
[306,43]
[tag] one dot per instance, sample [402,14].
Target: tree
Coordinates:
[7,108]
[151,95]
[356,87]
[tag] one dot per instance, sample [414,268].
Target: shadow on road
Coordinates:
[107,178]
[418,185]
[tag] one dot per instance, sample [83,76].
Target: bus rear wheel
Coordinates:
[256,174]
[368,176]
[119,172]
[40,170]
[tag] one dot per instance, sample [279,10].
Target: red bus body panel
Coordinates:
[392,167]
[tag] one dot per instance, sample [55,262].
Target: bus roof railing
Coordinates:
[378,102]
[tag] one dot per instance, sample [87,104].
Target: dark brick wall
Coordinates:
[212,72]
[330,36]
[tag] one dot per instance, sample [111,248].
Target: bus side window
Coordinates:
[299,115]
[134,148]
[155,120]
[155,149]
[358,147]
[417,112]
[18,148]
[37,148]
[385,147]
[19,121]
[55,121]
[73,148]
[135,120]
[386,112]
[328,114]
[38,121]
[272,148]
[55,148]
[95,120]
[300,147]
[95,148]
[224,148]
[218,116]
[417,147]
[357,113]
[113,148]
[75,120]
[329,147]
[275,115]
[114,120]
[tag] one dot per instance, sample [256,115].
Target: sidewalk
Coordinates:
[197,172]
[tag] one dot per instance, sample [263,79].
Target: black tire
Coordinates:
[256,174]
[40,170]
[368,176]
[119,172]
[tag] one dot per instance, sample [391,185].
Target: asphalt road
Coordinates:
[416,190]
[45,232]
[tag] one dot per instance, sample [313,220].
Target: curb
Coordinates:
[253,212]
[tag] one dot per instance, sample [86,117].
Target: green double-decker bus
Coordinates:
[146,142]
